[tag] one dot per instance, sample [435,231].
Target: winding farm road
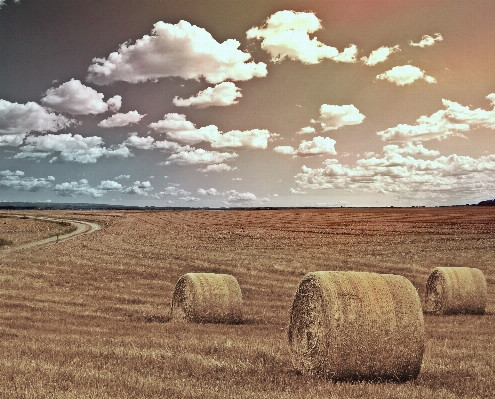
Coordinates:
[82,227]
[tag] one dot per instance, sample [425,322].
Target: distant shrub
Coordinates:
[451,290]
[4,242]
[207,298]
[357,326]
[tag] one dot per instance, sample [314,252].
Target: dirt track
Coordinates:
[81,228]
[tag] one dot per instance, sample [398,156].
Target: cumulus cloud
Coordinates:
[118,120]
[405,75]
[82,187]
[189,199]
[333,117]
[396,172]
[221,95]
[181,50]
[11,140]
[427,40]
[307,130]
[210,191]
[255,139]
[285,149]
[77,99]
[222,167]
[286,34]
[17,181]
[379,55]
[200,156]
[138,188]
[317,146]
[173,122]
[233,197]
[179,129]
[30,117]
[149,143]
[73,189]
[452,121]
[171,190]
[70,148]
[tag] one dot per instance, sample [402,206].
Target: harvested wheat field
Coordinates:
[89,317]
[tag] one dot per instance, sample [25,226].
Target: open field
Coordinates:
[17,231]
[89,317]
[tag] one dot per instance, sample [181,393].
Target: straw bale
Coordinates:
[357,326]
[455,290]
[207,298]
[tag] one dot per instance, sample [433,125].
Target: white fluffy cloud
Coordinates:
[221,167]
[233,197]
[427,40]
[379,55]
[221,95]
[82,187]
[173,122]
[180,130]
[149,143]
[70,148]
[119,119]
[138,188]
[200,156]
[286,34]
[405,75]
[333,117]
[307,130]
[12,140]
[396,171]
[453,121]
[255,139]
[17,181]
[77,99]
[189,199]
[30,117]
[182,50]
[171,190]
[317,146]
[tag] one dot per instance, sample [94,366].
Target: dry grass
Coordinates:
[454,290]
[16,231]
[207,298]
[87,318]
[357,326]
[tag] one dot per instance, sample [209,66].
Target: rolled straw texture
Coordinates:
[207,298]
[455,290]
[357,326]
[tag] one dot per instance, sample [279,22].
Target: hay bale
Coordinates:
[454,290]
[207,298]
[357,326]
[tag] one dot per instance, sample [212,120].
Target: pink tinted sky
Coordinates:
[280,103]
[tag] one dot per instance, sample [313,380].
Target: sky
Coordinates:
[228,103]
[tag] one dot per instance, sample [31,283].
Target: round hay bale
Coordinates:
[455,290]
[207,298]
[357,326]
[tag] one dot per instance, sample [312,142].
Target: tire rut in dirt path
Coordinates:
[82,227]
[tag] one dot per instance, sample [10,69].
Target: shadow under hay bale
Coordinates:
[357,326]
[456,290]
[207,298]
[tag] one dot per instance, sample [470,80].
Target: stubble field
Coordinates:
[89,317]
